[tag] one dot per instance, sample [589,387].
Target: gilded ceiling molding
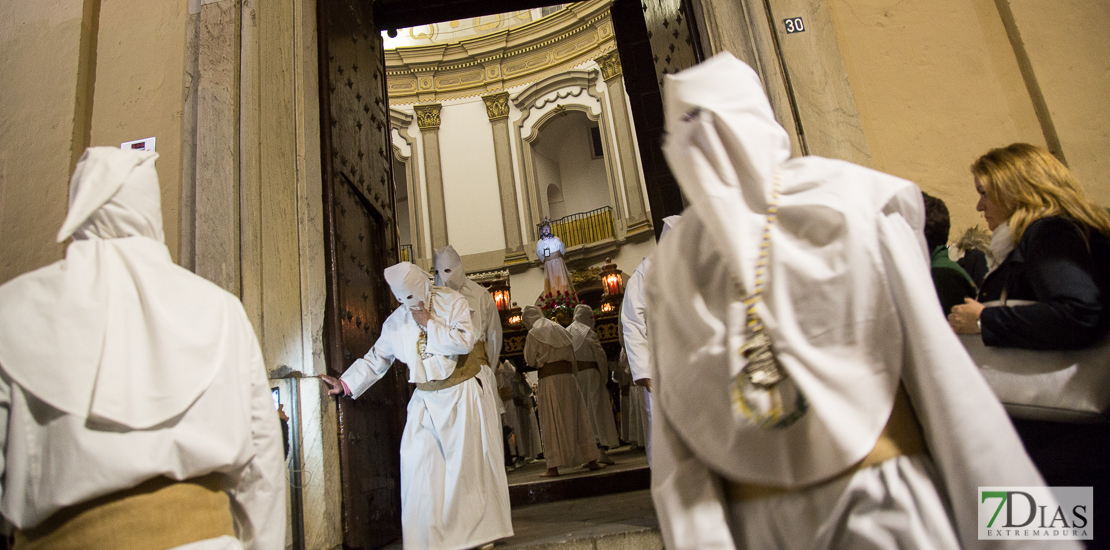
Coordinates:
[610,65]
[497,106]
[427,116]
[500,61]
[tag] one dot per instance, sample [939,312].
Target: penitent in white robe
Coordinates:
[851,313]
[118,366]
[634,329]
[568,438]
[634,425]
[528,438]
[453,494]
[520,418]
[592,382]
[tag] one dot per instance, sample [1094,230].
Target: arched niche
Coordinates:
[539,105]
[574,180]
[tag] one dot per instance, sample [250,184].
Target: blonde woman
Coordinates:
[1052,251]
[1053,245]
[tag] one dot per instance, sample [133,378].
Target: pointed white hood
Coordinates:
[409,284]
[115,332]
[834,328]
[447,259]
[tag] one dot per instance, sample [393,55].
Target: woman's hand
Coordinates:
[964,318]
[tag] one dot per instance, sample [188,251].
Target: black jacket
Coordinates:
[1064,270]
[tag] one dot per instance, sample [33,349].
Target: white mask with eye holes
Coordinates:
[409,284]
[449,268]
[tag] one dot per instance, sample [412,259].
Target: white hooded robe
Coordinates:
[852,314]
[592,382]
[117,366]
[568,437]
[453,495]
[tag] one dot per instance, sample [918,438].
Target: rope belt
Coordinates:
[158,513]
[585,365]
[505,393]
[556,367]
[468,366]
[901,436]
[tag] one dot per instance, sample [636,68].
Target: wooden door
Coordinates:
[360,240]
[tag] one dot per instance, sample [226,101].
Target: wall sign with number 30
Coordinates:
[793,25]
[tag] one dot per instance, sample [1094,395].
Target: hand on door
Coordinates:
[335,385]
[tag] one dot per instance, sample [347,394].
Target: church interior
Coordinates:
[306,145]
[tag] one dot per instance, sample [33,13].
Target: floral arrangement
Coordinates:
[559,306]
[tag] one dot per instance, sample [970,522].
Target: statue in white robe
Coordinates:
[593,375]
[550,251]
[452,494]
[568,437]
[131,386]
[899,429]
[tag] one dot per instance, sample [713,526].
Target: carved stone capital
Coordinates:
[497,106]
[427,116]
[610,65]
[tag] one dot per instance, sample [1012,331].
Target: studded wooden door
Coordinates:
[360,237]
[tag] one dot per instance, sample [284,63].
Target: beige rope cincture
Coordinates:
[761,391]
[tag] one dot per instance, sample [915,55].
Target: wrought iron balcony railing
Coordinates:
[584,227]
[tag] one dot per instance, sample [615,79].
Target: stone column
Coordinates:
[427,118]
[626,150]
[497,109]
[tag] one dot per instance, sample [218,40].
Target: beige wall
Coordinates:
[140,89]
[937,84]
[1069,49]
[38,106]
[79,73]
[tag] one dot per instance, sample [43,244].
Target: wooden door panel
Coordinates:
[360,240]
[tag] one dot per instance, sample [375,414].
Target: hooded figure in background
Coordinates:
[593,374]
[519,412]
[634,413]
[807,390]
[135,409]
[486,321]
[568,437]
[634,331]
[453,491]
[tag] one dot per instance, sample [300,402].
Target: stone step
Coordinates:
[623,521]
[630,473]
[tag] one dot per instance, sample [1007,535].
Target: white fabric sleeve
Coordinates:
[453,334]
[493,333]
[370,368]
[693,513]
[530,351]
[258,495]
[635,327]
[598,352]
[969,435]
